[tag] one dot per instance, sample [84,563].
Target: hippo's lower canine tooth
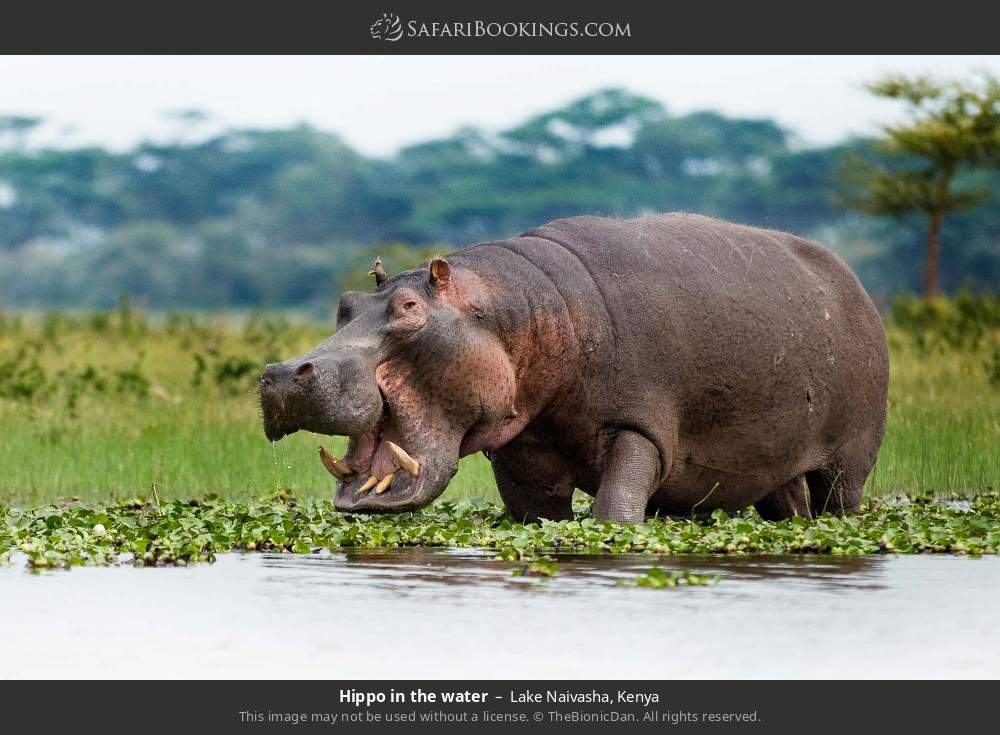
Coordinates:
[403,460]
[384,484]
[336,467]
[369,484]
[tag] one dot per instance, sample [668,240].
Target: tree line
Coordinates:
[288,218]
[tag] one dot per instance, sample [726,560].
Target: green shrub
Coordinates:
[133,380]
[959,323]
[235,374]
[22,376]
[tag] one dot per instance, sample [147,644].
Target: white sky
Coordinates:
[380,103]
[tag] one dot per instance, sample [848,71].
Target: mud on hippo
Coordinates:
[665,364]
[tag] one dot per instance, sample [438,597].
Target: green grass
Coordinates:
[101,407]
[943,432]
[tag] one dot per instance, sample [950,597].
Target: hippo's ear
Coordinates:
[440,273]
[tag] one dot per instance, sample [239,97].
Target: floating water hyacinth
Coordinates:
[656,578]
[138,531]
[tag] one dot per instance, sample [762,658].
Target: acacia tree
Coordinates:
[952,129]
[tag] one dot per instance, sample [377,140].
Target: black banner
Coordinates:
[511,27]
[498,706]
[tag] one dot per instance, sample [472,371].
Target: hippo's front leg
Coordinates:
[534,482]
[629,480]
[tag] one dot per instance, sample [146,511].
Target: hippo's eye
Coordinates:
[408,310]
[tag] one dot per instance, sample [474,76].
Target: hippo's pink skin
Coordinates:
[665,364]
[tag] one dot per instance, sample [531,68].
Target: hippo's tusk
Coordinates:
[336,467]
[403,460]
[369,484]
[384,484]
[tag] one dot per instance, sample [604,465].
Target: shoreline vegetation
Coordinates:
[145,532]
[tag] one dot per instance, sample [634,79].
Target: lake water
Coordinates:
[441,614]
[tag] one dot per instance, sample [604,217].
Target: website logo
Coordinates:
[387,28]
[390,28]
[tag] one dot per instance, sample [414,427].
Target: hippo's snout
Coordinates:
[325,394]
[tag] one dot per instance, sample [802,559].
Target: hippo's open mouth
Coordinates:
[382,472]
[377,474]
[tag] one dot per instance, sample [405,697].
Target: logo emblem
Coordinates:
[387,28]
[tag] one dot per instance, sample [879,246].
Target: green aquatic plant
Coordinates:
[544,566]
[148,532]
[656,578]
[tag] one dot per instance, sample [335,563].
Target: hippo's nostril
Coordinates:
[304,371]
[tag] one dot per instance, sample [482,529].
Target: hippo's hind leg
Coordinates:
[629,480]
[791,499]
[533,482]
[837,486]
[834,488]
[834,491]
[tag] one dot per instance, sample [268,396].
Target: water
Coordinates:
[444,614]
[287,464]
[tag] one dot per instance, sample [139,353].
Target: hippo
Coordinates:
[669,364]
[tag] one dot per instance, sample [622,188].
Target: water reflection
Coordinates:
[409,570]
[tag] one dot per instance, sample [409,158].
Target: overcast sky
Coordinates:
[380,103]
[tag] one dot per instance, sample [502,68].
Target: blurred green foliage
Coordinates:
[961,323]
[265,218]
